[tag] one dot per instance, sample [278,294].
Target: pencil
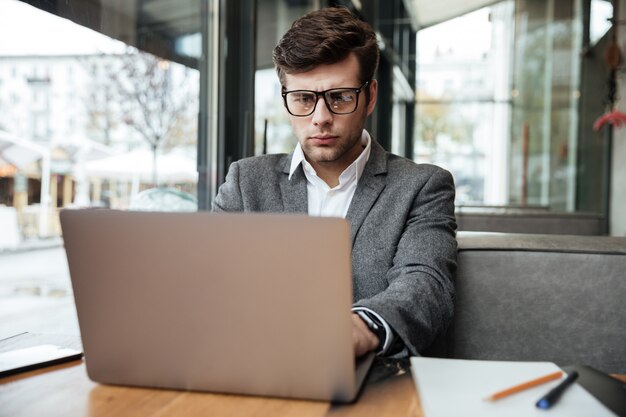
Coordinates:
[524,386]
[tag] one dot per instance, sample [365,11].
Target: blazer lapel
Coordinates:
[370,185]
[294,194]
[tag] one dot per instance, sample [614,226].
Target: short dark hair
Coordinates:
[324,37]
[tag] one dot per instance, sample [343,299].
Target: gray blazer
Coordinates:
[403,234]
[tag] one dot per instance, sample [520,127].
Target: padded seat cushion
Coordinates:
[541,297]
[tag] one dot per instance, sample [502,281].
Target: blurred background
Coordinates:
[144,104]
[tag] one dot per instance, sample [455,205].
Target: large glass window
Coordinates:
[505,99]
[546,88]
[100,104]
[463,101]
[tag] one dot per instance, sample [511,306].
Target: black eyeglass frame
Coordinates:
[323,95]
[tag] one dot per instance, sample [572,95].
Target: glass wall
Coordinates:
[506,99]
[463,101]
[100,104]
[546,89]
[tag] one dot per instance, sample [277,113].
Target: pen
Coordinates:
[525,385]
[553,396]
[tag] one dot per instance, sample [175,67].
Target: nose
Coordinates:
[321,115]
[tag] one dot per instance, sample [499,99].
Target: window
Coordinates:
[505,100]
[85,125]
[463,101]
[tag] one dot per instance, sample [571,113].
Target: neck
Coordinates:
[329,172]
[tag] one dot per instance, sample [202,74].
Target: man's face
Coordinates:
[328,139]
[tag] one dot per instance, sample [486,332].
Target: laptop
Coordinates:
[255,304]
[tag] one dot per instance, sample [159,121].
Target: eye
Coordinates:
[341,97]
[302,98]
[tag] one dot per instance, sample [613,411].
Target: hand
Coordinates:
[364,339]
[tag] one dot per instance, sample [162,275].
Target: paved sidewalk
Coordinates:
[35,290]
[34,244]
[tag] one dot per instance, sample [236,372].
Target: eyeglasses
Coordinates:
[338,100]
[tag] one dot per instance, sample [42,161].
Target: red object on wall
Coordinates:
[616,118]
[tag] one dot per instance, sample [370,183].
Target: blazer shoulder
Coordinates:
[404,167]
[263,163]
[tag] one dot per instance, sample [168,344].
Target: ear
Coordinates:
[373,88]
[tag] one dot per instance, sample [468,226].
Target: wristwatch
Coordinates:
[375,327]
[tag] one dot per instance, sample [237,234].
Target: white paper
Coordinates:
[456,387]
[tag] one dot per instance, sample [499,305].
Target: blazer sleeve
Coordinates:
[418,302]
[229,196]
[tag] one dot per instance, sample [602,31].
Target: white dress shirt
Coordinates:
[323,200]
[334,202]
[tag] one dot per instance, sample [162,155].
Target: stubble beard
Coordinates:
[322,154]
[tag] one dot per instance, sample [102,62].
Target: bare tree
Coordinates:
[153,96]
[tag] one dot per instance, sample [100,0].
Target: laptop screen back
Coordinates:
[237,303]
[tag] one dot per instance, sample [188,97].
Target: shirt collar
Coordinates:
[358,165]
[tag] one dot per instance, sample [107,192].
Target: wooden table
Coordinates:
[65,390]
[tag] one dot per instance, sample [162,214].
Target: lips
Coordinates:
[321,140]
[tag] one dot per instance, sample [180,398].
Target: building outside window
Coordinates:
[500,103]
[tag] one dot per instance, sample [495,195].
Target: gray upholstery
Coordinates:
[527,220]
[541,298]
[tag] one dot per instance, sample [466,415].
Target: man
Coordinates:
[401,213]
